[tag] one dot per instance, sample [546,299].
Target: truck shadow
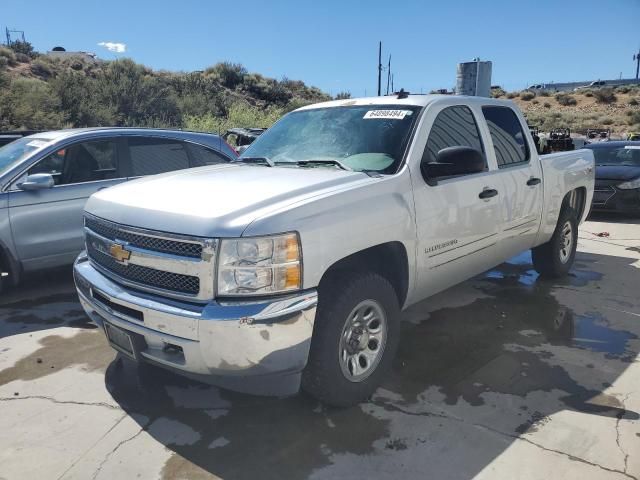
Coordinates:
[479,367]
[43,300]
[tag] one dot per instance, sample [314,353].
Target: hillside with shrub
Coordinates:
[617,109]
[39,92]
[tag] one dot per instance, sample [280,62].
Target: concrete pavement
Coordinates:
[504,376]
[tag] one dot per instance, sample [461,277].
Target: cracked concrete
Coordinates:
[505,376]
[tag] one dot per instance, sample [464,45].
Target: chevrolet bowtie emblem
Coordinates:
[120,253]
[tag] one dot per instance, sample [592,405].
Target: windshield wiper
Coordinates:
[262,160]
[337,163]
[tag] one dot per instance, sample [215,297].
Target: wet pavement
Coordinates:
[504,376]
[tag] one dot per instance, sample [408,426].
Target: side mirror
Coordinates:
[37,181]
[452,161]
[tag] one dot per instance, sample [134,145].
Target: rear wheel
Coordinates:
[355,338]
[555,258]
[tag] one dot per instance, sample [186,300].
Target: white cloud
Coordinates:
[114,46]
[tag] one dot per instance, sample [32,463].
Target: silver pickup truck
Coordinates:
[289,268]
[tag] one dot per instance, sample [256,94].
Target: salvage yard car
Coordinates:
[617,187]
[289,267]
[46,178]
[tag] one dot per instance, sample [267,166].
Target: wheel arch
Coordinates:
[388,259]
[9,264]
[576,199]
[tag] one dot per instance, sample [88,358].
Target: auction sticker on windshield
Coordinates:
[387,114]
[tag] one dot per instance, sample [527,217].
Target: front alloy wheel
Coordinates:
[363,340]
[355,336]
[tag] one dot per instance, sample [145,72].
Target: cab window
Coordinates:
[453,127]
[509,141]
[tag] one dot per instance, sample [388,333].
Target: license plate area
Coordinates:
[125,342]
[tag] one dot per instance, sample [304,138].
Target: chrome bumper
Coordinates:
[225,343]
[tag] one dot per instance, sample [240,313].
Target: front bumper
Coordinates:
[614,199]
[259,347]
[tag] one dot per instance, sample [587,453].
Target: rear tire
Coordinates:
[355,338]
[555,258]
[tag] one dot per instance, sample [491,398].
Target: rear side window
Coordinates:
[201,156]
[453,127]
[150,156]
[509,141]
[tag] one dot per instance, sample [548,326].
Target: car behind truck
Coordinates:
[290,267]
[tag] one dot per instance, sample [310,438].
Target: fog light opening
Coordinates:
[171,349]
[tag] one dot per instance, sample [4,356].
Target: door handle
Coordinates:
[488,193]
[533,181]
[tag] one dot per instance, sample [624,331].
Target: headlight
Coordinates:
[631,184]
[259,265]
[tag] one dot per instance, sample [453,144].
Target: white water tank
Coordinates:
[474,78]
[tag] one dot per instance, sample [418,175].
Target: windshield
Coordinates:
[628,155]
[19,149]
[360,138]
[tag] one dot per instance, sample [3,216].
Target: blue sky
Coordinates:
[333,44]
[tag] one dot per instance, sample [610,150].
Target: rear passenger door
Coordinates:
[521,176]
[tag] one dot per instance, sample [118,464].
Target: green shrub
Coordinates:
[229,74]
[622,89]
[546,105]
[29,103]
[41,68]
[607,121]
[343,95]
[634,118]
[23,57]
[23,48]
[535,102]
[565,99]
[240,114]
[544,93]
[527,95]
[605,95]
[9,55]
[633,102]
[588,94]
[497,92]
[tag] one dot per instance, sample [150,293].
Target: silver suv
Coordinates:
[46,178]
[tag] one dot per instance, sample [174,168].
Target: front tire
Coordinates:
[355,338]
[555,258]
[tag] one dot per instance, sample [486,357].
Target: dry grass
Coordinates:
[622,115]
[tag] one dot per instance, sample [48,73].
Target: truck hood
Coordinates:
[617,172]
[215,201]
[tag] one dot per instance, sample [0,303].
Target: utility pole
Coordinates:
[388,74]
[379,68]
[636,57]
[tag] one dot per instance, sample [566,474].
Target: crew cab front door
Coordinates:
[47,224]
[457,218]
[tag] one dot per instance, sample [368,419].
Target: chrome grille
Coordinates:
[146,276]
[113,231]
[171,265]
